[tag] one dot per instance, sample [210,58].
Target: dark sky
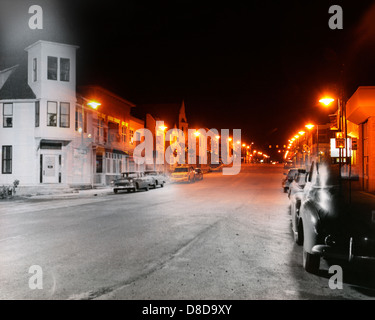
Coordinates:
[259,66]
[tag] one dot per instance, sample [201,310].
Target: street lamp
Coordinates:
[326,101]
[94,105]
[310,127]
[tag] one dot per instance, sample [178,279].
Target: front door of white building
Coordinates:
[50,168]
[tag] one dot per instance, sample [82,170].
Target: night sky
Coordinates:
[259,66]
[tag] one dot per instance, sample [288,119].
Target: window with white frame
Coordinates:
[64,69]
[64,115]
[52,68]
[77,119]
[100,127]
[114,162]
[131,135]
[8,115]
[37,113]
[51,114]
[35,70]
[6,166]
[109,165]
[123,133]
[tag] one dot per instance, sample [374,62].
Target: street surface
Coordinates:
[226,237]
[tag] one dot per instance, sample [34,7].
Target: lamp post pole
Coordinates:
[317,143]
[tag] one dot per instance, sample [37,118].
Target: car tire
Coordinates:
[311,262]
[298,236]
[285,189]
[147,188]
[115,191]
[136,187]
[162,185]
[155,185]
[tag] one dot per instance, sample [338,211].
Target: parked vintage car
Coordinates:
[132,181]
[296,194]
[198,174]
[184,173]
[288,164]
[289,177]
[328,225]
[157,176]
[298,183]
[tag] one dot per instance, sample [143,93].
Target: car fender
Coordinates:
[310,222]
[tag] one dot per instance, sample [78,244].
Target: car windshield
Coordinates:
[181,170]
[151,173]
[328,176]
[130,175]
[291,173]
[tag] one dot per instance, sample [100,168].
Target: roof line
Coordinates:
[8,69]
[50,42]
[107,92]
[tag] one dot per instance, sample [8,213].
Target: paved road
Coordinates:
[226,237]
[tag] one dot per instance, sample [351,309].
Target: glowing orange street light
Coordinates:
[238,142]
[309,126]
[248,147]
[326,101]
[217,137]
[163,128]
[229,139]
[296,136]
[244,144]
[293,139]
[197,133]
[94,104]
[301,133]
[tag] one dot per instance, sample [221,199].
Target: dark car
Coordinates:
[198,174]
[132,181]
[328,225]
[158,177]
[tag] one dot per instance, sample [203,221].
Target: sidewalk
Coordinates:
[56,194]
